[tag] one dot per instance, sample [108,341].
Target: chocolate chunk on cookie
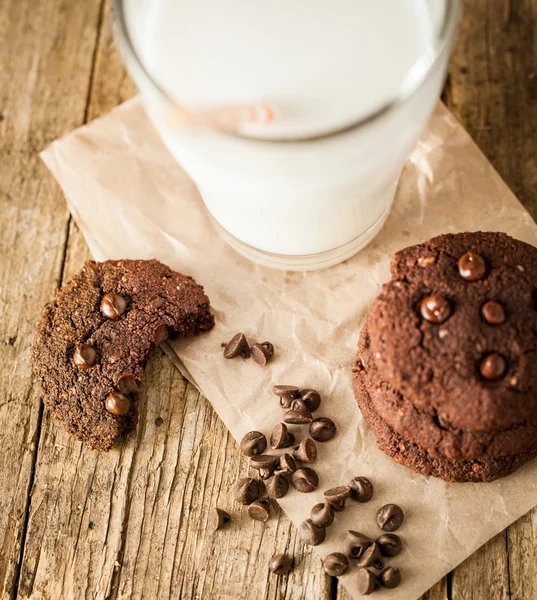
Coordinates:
[445,370]
[93,340]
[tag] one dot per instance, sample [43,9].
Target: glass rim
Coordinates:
[406,88]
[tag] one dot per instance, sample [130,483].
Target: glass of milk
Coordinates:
[351,85]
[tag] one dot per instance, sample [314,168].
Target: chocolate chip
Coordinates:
[286,464]
[390,578]
[298,414]
[161,334]
[366,582]
[305,480]
[159,421]
[390,517]
[306,451]
[435,308]
[311,398]
[113,306]
[265,464]
[389,544]
[287,394]
[259,510]
[238,346]
[262,353]
[248,489]
[280,564]
[356,543]
[311,534]
[322,429]
[371,557]
[493,366]
[335,564]
[336,497]
[253,443]
[281,437]
[322,514]
[117,404]
[471,266]
[361,489]
[493,312]
[217,519]
[85,356]
[277,486]
[129,383]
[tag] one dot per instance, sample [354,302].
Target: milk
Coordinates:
[322,66]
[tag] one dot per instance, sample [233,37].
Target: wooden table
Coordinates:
[131,523]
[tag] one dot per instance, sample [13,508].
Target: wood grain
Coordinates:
[132,523]
[45,63]
[137,515]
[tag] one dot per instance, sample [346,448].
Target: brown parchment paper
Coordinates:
[132,200]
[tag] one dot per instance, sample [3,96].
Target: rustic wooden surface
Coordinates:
[131,523]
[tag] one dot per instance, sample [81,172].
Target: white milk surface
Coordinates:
[323,65]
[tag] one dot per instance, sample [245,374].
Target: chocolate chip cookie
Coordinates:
[445,373]
[93,340]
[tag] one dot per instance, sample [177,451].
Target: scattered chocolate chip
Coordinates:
[85,356]
[129,383]
[366,582]
[280,564]
[390,578]
[248,489]
[238,346]
[262,353]
[311,534]
[305,480]
[336,497]
[286,464]
[113,306]
[361,489]
[493,366]
[390,517]
[277,486]
[161,334]
[117,404]
[306,451]
[91,525]
[286,393]
[322,429]
[159,421]
[281,437]
[311,398]
[389,544]
[265,464]
[217,519]
[335,564]
[371,557]
[298,414]
[493,312]
[253,443]
[471,266]
[322,514]
[435,308]
[259,510]
[356,543]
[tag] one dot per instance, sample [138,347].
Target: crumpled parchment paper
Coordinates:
[131,200]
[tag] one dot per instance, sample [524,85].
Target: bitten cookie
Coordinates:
[92,342]
[445,373]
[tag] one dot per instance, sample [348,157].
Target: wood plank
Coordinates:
[45,63]
[132,523]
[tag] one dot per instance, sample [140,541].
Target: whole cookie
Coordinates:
[445,369]
[93,340]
